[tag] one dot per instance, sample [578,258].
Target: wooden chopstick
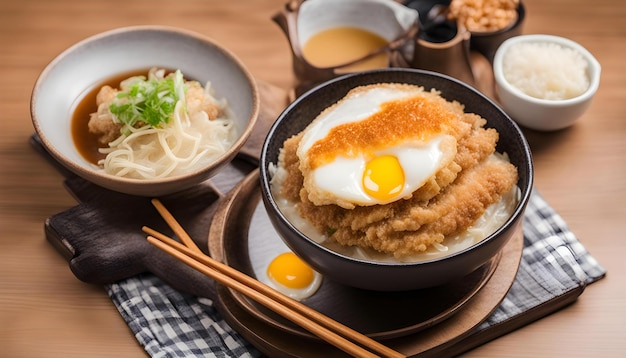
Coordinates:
[187,256]
[288,306]
[315,322]
[175,226]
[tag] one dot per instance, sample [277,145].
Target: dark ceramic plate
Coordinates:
[413,322]
[243,237]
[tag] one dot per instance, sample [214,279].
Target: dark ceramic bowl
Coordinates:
[395,276]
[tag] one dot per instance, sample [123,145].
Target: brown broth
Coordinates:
[87,143]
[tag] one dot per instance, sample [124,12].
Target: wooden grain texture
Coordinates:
[46,311]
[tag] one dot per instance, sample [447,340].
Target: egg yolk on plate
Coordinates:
[290,271]
[383,177]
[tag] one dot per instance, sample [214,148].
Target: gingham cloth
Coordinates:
[168,323]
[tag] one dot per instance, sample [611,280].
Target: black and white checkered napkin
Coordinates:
[168,323]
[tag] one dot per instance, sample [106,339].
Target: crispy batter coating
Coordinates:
[101,122]
[197,101]
[446,205]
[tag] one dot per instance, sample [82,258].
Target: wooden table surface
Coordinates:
[46,312]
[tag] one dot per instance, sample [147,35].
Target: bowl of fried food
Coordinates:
[395,179]
[144,110]
[489,22]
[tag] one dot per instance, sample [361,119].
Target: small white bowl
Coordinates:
[544,114]
[98,58]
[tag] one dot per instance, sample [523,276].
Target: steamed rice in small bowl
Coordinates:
[545,82]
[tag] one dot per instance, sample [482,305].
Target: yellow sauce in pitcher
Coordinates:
[340,45]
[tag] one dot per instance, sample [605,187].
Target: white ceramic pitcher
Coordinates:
[301,19]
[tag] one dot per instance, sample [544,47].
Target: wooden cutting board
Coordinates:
[101,237]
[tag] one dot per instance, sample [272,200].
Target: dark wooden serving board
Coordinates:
[102,240]
[101,237]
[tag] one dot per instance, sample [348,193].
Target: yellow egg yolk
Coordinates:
[383,177]
[290,271]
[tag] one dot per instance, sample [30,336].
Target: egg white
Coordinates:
[343,176]
[339,182]
[264,244]
[354,107]
[297,294]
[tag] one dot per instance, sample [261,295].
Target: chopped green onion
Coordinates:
[149,101]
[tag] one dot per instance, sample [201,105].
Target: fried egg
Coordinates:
[290,275]
[377,145]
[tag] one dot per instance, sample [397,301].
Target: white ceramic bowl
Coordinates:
[90,62]
[544,114]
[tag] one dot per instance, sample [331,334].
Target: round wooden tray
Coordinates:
[418,322]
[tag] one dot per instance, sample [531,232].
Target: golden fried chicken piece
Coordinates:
[447,204]
[101,122]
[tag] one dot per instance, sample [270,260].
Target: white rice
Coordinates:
[546,70]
